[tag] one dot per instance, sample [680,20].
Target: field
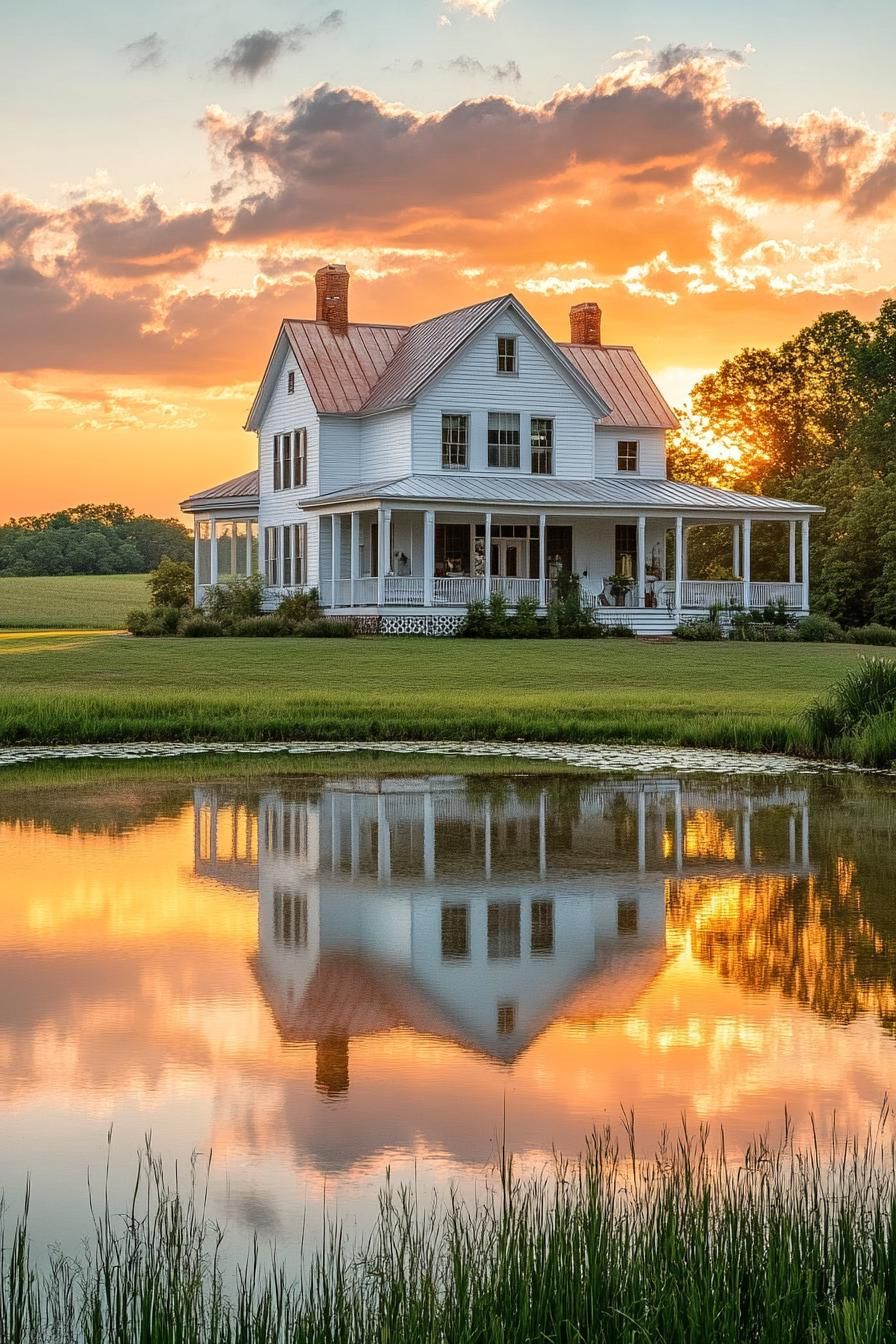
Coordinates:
[83,688]
[73,601]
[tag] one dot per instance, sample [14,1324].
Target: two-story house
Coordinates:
[405,471]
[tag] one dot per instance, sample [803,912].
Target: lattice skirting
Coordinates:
[419,625]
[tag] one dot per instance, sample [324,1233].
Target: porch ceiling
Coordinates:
[460,489]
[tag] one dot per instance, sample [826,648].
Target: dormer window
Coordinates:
[627,455]
[291,381]
[507,354]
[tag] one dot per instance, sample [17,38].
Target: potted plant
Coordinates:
[620,586]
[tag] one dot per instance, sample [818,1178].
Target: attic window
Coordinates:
[291,381]
[627,455]
[507,354]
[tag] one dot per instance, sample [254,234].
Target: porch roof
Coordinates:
[241,490]
[549,492]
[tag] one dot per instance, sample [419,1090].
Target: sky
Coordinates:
[714,175]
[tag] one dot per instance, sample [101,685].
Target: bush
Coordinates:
[524,624]
[568,615]
[296,608]
[200,626]
[861,704]
[819,629]
[154,623]
[873,634]
[171,585]
[475,624]
[234,601]
[777,613]
[262,626]
[620,631]
[699,630]
[325,629]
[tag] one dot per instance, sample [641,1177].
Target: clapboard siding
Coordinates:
[651,450]
[472,386]
[386,446]
[286,411]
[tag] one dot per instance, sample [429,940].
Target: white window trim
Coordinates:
[637,468]
[553,423]
[508,336]
[468,416]
[519,468]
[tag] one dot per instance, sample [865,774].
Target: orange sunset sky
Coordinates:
[715,175]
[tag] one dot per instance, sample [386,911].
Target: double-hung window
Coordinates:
[300,554]
[627,455]
[300,458]
[278,466]
[503,439]
[507,354]
[286,558]
[271,556]
[542,435]
[286,461]
[455,441]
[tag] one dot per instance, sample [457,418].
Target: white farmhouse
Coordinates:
[405,471]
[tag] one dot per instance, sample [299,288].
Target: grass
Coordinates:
[71,601]
[74,688]
[786,1246]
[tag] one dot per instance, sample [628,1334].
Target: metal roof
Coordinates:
[242,489]
[608,492]
[617,374]
[341,369]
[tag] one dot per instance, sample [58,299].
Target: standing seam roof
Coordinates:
[617,374]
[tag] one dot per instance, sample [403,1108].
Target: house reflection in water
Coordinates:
[476,911]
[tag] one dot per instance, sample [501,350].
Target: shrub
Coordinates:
[262,626]
[873,634]
[234,601]
[171,585]
[524,623]
[325,629]
[568,615]
[854,705]
[777,613]
[475,624]
[136,621]
[620,630]
[497,616]
[154,623]
[819,629]
[741,624]
[699,630]
[296,608]
[200,626]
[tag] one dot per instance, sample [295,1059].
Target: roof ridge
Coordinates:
[588,345]
[391,326]
[464,308]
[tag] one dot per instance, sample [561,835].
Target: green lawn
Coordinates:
[73,687]
[71,602]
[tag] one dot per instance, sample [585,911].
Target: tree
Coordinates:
[171,585]
[91,539]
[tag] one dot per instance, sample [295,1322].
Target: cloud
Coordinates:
[116,240]
[113,408]
[256,52]
[481,9]
[147,53]
[509,72]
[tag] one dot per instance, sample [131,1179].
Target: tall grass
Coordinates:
[786,1245]
[856,720]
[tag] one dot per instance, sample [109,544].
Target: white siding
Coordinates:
[276,508]
[340,453]
[651,450]
[471,385]
[386,446]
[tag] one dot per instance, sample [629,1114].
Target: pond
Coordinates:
[316,979]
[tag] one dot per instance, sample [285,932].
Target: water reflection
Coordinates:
[317,977]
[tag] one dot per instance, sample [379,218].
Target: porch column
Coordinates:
[747,531]
[679,558]
[791,551]
[735,549]
[429,554]
[213,558]
[383,531]
[195,562]
[353,558]
[805,570]
[335,555]
[542,558]
[487,559]
[640,560]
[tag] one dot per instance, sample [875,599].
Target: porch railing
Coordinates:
[458,591]
[706,592]
[761,593]
[401,590]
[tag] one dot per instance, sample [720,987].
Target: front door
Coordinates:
[509,555]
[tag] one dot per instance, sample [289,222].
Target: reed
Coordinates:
[787,1244]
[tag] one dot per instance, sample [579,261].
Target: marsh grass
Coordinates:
[788,1244]
[856,720]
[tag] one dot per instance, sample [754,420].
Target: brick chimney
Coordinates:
[584,324]
[331,283]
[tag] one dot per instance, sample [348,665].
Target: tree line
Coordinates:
[90,539]
[815,421]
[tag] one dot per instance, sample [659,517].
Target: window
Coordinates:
[542,928]
[290,920]
[278,475]
[626,917]
[253,548]
[291,381]
[455,435]
[627,455]
[300,458]
[626,549]
[300,554]
[503,930]
[455,932]
[542,434]
[224,541]
[286,558]
[204,538]
[452,549]
[507,354]
[285,461]
[271,556]
[506,1023]
[503,439]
